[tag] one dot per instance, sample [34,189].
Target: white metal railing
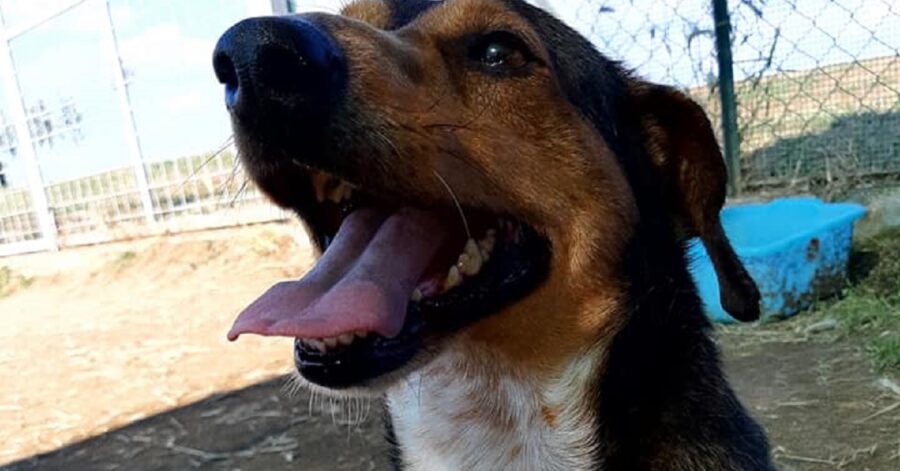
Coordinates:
[147,197]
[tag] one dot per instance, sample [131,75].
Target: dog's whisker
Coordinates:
[332,406]
[456,202]
[288,385]
[389,142]
[312,399]
[222,148]
[459,126]
[438,100]
[516,351]
[240,192]
[223,190]
[293,385]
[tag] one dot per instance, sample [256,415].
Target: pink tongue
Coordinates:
[363,282]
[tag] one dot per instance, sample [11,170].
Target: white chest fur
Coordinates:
[466,411]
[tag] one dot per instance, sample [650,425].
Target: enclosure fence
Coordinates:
[111,123]
[805,96]
[805,93]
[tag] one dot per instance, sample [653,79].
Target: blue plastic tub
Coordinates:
[796,249]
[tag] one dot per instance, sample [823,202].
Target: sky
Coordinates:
[166,46]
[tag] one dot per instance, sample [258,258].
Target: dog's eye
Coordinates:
[500,51]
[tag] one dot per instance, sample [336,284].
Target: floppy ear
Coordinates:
[680,143]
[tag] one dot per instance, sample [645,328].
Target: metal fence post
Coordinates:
[282,7]
[25,145]
[722,20]
[131,135]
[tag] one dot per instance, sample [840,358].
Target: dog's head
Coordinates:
[473,171]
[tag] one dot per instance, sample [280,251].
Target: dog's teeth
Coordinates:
[462,261]
[416,295]
[472,248]
[486,245]
[348,193]
[454,278]
[331,342]
[361,334]
[470,262]
[315,343]
[346,339]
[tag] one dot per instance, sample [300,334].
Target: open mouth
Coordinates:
[393,279]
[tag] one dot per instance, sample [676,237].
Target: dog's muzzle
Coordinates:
[279,70]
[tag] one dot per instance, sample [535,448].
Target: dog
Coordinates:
[502,215]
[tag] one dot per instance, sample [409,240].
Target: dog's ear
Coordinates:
[679,141]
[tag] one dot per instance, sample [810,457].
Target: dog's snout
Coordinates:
[277,68]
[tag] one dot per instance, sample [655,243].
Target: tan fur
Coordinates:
[461,127]
[518,389]
[424,109]
[373,12]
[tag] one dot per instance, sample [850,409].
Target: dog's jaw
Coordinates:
[471,408]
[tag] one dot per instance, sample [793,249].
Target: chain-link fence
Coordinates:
[816,82]
[111,124]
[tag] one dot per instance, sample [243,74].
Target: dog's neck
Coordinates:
[470,409]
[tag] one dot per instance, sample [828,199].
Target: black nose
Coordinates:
[280,68]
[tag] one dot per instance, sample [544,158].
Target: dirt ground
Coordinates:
[114,357]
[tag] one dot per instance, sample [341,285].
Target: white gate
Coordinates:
[121,181]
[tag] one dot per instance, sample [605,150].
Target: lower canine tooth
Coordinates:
[454,278]
[470,262]
[416,295]
[472,248]
[346,339]
[469,265]
[331,343]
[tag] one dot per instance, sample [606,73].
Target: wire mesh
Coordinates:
[817,82]
[817,86]
[820,101]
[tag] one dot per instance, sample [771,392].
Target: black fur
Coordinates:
[663,401]
[404,11]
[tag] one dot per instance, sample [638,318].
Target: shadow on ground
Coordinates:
[822,406]
[853,149]
[258,428]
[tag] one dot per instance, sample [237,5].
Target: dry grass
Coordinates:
[867,312]
[10,281]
